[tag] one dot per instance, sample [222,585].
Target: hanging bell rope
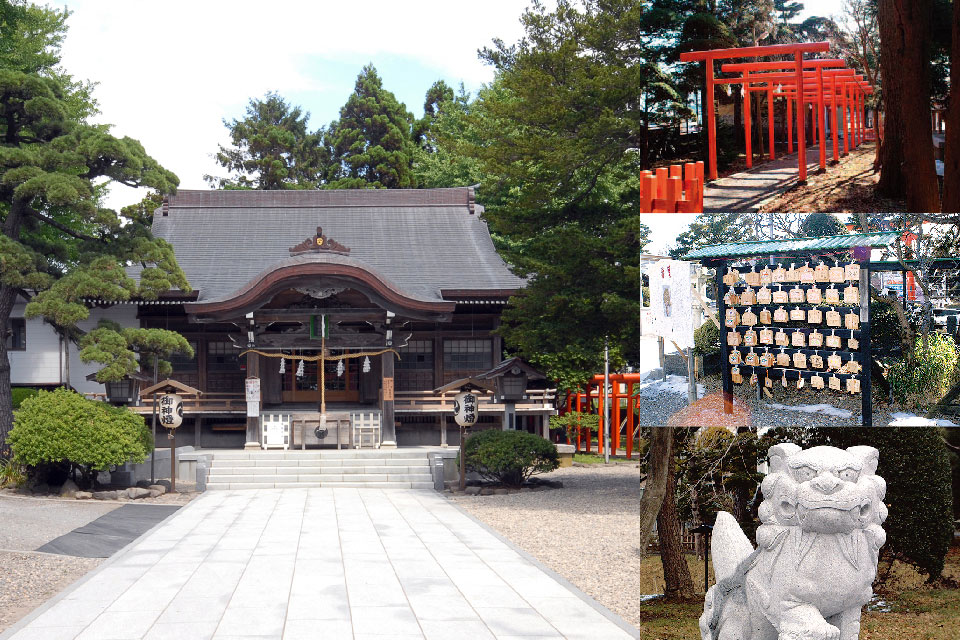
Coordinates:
[317,358]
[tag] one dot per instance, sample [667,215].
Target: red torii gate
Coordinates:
[797,50]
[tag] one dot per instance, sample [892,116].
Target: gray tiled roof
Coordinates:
[421,240]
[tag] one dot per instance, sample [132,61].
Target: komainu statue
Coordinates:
[818,545]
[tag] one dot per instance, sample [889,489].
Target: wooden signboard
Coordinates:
[388,389]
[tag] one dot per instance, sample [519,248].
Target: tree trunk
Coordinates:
[908,168]
[951,160]
[661,459]
[7,296]
[676,572]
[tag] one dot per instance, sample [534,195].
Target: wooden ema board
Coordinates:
[833,346]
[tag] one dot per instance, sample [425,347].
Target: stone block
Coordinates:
[83,495]
[157,487]
[105,495]
[69,489]
[135,493]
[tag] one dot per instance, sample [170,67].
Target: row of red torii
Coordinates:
[824,84]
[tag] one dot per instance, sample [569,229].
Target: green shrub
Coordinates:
[706,339]
[509,457]
[645,296]
[63,429]
[20,394]
[928,378]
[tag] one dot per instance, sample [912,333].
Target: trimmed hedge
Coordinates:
[706,339]
[509,457]
[63,429]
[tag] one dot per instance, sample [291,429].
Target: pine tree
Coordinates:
[272,149]
[372,141]
[58,246]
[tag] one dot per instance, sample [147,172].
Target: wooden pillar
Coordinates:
[711,123]
[834,118]
[820,116]
[866,407]
[615,420]
[770,129]
[579,410]
[197,429]
[629,420]
[747,117]
[789,125]
[801,134]
[253,423]
[727,381]
[388,427]
[443,429]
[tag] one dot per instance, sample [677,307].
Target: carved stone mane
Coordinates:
[319,244]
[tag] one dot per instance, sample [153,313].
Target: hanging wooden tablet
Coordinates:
[749,318]
[768,382]
[798,314]
[816,362]
[781,315]
[852,271]
[798,339]
[800,360]
[851,321]
[831,295]
[815,316]
[853,385]
[730,298]
[779,274]
[752,359]
[821,273]
[852,366]
[766,335]
[731,277]
[851,295]
[834,362]
[783,380]
[792,274]
[806,274]
[816,382]
[764,296]
[766,316]
[799,382]
[833,340]
[752,278]
[750,338]
[766,275]
[815,339]
[748,297]
[735,375]
[833,318]
[767,359]
[734,339]
[731,318]
[814,296]
[781,338]
[835,383]
[780,296]
[753,379]
[796,295]
[837,274]
[853,344]
[735,357]
[783,359]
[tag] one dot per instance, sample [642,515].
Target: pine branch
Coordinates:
[62,227]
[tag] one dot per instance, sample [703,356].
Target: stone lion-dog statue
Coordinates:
[818,545]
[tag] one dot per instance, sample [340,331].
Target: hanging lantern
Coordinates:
[300,369]
[340,368]
[366,364]
[283,366]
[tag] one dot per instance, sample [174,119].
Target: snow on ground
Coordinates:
[673,384]
[825,409]
[905,419]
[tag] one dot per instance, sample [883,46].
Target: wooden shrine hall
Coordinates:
[340,311]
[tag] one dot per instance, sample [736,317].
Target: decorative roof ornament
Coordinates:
[319,244]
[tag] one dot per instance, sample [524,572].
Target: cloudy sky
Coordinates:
[169,72]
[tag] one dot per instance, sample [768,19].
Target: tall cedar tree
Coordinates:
[372,141]
[951,169]
[713,228]
[907,156]
[58,246]
[273,148]
[561,137]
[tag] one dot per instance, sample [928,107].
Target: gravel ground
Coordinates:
[27,580]
[584,531]
[657,405]
[28,523]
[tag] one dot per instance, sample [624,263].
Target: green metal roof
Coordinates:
[793,245]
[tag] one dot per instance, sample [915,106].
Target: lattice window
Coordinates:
[222,356]
[414,369]
[467,355]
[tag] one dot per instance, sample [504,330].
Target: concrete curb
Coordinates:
[30,617]
[599,608]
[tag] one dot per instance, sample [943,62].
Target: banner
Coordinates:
[671,301]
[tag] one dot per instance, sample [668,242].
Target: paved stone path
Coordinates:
[745,192]
[110,532]
[321,563]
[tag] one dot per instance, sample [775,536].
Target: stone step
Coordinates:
[332,454]
[316,461]
[213,486]
[258,471]
[358,478]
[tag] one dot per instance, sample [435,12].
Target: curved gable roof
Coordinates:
[422,241]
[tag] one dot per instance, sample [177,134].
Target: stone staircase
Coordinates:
[381,469]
